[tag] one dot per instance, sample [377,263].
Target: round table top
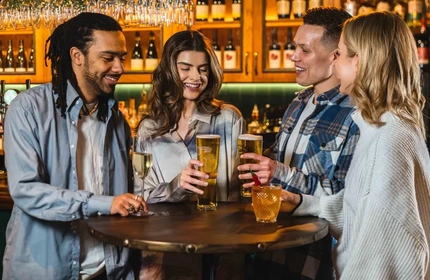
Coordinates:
[178,227]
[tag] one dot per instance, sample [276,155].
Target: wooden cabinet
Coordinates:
[251,38]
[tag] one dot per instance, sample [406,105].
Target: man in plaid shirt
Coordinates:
[314,146]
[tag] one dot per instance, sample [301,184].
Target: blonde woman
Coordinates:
[382,217]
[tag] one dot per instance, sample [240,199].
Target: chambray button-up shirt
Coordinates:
[40,156]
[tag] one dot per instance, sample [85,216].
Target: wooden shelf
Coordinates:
[282,23]
[216,25]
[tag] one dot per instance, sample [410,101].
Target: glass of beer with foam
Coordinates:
[249,143]
[207,147]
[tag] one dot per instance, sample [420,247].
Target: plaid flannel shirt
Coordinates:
[319,163]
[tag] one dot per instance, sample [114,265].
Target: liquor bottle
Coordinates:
[298,8]
[289,49]
[230,52]
[1,57]
[142,110]
[415,13]
[21,59]
[202,10]
[218,9]
[132,120]
[137,55]
[9,65]
[422,41]
[314,4]
[350,6]
[400,9]
[283,7]
[274,51]
[383,5]
[151,56]
[254,126]
[30,67]
[216,47]
[236,9]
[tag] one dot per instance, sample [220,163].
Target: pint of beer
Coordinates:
[208,153]
[249,143]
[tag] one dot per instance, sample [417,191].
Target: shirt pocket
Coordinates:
[323,153]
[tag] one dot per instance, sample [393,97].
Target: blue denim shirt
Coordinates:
[40,156]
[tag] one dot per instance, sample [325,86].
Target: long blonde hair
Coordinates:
[388,75]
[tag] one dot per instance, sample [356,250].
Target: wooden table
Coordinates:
[182,228]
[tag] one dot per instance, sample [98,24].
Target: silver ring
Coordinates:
[130,209]
[135,198]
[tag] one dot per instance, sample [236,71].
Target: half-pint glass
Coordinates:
[266,201]
[249,143]
[208,152]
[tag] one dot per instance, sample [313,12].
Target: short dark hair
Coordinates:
[76,32]
[329,18]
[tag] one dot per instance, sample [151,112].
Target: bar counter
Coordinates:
[6,202]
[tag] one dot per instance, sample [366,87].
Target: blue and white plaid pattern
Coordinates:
[321,158]
[324,147]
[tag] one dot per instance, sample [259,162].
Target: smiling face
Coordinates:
[98,72]
[193,70]
[346,67]
[313,60]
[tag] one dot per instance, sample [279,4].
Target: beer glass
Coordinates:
[207,152]
[249,143]
[266,201]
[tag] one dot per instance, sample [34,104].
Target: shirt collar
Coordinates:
[331,95]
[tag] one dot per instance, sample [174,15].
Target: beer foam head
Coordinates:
[250,137]
[208,136]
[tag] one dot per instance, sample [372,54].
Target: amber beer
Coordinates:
[249,143]
[208,153]
[266,201]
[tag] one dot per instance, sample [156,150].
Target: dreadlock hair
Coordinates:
[76,32]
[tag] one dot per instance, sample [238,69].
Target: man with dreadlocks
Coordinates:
[67,156]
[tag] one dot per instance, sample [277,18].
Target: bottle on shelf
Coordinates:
[216,47]
[298,8]
[142,110]
[383,5]
[30,67]
[274,51]
[350,6]
[137,54]
[236,9]
[415,13]
[1,57]
[21,60]
[132,120]
[254,126]
[422,41]
[202,10]
[283,8]
[230,52]
[9,64]
[151,60]
[289,49]
[218,9]
[400,9]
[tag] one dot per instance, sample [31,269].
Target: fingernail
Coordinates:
[206,176]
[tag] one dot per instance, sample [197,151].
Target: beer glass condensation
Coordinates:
[249,143]
[207,147]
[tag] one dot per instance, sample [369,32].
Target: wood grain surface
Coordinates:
[182,228]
